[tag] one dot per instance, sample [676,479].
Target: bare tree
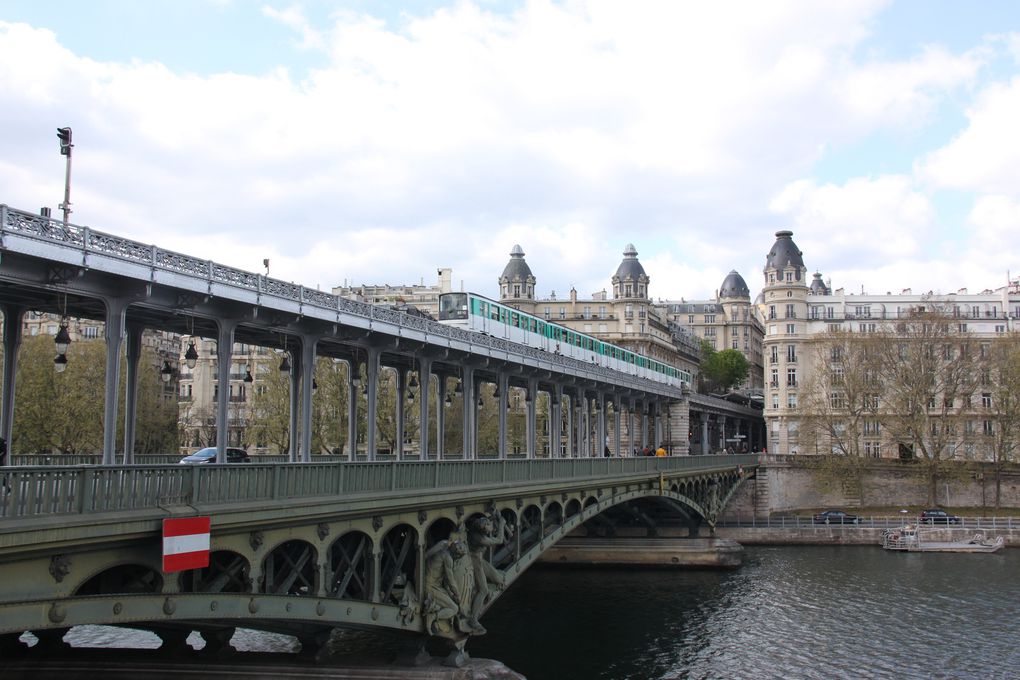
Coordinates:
[1000,399]
[838,406]
[929,366]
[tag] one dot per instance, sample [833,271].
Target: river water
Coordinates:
[790,612]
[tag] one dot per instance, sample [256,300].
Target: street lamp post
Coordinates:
[64,135]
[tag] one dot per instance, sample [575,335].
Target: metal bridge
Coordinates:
[303,548]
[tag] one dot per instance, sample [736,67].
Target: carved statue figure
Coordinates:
[484,533]
[445,586]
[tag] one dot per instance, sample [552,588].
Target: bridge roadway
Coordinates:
[302,548]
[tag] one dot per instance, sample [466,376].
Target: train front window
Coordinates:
[453,306]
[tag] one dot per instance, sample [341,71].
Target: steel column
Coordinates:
[308,346]
[424,388]
[531,408]
[502,385]
[373,387]
[440,414]
[224,348]
[398,415]
[12,343]
[353,372]
[556,421]
[134,353]
[116,311]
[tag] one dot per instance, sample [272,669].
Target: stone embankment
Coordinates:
[849,535]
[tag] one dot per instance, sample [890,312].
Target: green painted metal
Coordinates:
[82,545]
[35,491]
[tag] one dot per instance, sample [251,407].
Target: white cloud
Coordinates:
[870,219]
[985,157]
[571,129]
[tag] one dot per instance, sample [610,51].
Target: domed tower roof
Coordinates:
[784,253]
[516,269]
[630,268]
[630,279]
[734,286]
[818,286]
[517,281]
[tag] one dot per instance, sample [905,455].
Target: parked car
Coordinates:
[208,455]
[836,517]
[937,516]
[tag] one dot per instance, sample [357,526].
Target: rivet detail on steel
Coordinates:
[253,606]
[320,608]
[213,606]
[288,606]
[57,613]
[118,608]
[375,613]
[169,606]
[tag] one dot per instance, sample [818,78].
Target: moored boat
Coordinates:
[911,538]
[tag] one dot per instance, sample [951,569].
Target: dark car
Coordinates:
[937,516]
[208,455]
[836,517]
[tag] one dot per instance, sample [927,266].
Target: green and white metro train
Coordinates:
[474,312]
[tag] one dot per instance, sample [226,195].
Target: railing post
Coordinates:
[275,491]
[85,490]
[393,475]
[436,483]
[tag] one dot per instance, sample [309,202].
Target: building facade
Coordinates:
[804,319]
[730,321]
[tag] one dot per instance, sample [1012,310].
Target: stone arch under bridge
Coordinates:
[368,570]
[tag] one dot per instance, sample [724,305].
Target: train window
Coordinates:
[453,306]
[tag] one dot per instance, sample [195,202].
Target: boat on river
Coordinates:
[912,538]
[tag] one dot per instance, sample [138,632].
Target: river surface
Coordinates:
[790,612]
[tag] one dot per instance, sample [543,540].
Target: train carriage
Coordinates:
[480,314]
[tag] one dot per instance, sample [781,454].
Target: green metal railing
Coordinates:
[51,490]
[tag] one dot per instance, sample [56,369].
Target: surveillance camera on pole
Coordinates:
[64,135]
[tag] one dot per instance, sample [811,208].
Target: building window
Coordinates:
[775,400]
[836,400]
[563,312]
[586,312]
[789,277]
[690,319]
[791,329]
[791,377]
[602,311]
[989,427]
[710,318]
[772,311]
[986,399]
[791,354]
[548,312]
[791,401]
[790,314]
[775,378]
[774,358]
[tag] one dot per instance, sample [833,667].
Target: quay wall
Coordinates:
[791,483]
[824,535]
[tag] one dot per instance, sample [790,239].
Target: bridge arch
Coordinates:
[349,567]
[228,572]
[122,578]
[290,569]
[397,559]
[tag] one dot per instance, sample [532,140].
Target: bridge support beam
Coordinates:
[116,311]
[134,353]
[502,386]
[13,315]
[556,421]
[224,349]
[531,404]
[601,439]
[440,415]
[353,380]
[373,389]
[632,425]
[470,409]
[398,415]
[307,375]
[616,419]
[570,425]
[425,384]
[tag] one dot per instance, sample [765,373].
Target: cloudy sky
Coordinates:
[373,142]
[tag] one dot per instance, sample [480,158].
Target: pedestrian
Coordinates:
[660,452]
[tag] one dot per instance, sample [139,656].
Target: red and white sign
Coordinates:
[185,543]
